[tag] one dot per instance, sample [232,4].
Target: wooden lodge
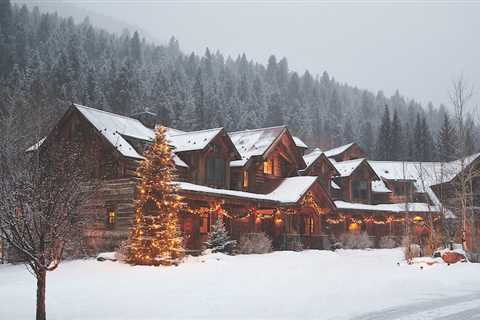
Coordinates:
[260,180]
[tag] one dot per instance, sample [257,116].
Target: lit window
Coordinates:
[111,217]
[268,166]
[245,179]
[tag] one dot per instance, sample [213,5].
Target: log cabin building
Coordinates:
[259,180]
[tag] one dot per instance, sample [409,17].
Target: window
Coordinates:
[111,218]
[283,167]
[309,226]
[245,179]
[204,224]
[268,166]
[360,189]
[215,168]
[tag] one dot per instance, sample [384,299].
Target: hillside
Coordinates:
[50,59]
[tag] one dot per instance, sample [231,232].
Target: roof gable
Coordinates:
[347,168]
[338,152]
[192,141]
[116,127]
[316,156]
[256,142]
[299,142]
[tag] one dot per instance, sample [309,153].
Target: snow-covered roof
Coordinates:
[346,168]
[290,190]
[425,174]
[179,162]
[311,157]
[114,127]
[415,207]
[254,142]
[238,163]
[334,185]
[190,141]
[36,145]
[338,150]
[299,142]
[380,187]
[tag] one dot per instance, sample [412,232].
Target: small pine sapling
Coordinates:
[219,240]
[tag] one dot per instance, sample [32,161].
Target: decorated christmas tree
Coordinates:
[155,238]
[219,240]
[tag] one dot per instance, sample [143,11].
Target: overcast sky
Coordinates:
[416,47]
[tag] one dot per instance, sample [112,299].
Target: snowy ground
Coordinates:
[346,284]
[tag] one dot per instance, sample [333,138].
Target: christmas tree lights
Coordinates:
[155,238]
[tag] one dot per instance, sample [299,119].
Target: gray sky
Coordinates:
[416,47]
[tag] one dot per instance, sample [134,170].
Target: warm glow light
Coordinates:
[155,238]
[418,219]
[353,227]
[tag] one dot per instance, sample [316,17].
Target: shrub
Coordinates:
[410,250]
[254,243]
[122,251]
[473,257]
[219,240]
[387,242]
[294,244]
[356,241]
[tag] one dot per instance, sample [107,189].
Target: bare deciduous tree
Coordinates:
[40,194]
[460,97]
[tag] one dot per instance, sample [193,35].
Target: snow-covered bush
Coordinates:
[356,241]
[473,257]
[254,243]
[387,242]
[122,251]
[294,244]
[410,250]
[219,240]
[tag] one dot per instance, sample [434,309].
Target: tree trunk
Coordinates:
[41,285]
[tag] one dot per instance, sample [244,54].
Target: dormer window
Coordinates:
[268,166]
[215,171]
[245,179]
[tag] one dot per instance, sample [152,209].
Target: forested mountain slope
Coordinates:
[47,59]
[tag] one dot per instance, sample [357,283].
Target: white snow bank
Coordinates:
[288,285]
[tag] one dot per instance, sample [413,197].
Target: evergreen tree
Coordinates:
[428,144]
[333,120]
[397,142]
[155,237]
[135,48]
[446,141]
[57,59]
[348,134]
[383,149]
[218,238]
[418,140]
[366,137]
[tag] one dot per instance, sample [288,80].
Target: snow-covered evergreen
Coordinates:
[218,238]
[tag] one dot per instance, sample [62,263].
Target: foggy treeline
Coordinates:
[46,59]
